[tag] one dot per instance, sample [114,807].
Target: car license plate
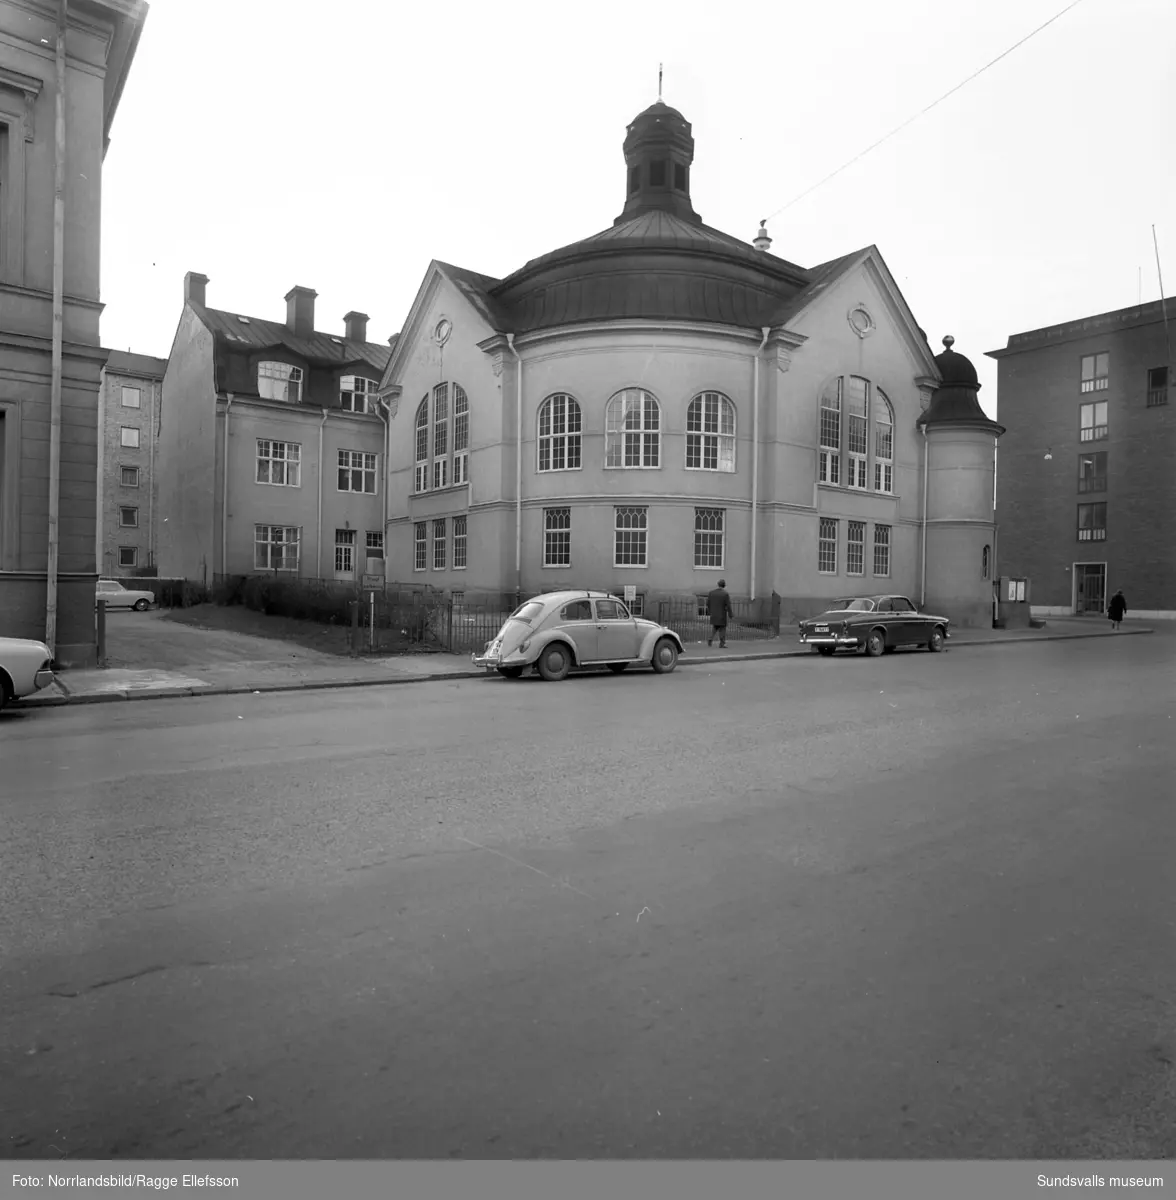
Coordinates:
[822,629]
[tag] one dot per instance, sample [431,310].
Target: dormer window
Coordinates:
[279,381]
[657,173]
[680,177]
[357,394]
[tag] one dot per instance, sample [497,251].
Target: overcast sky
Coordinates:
[342,146]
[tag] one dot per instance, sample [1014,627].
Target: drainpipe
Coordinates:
[225,490]
[319,535]
[923,586]
[755,448]
[58,327]
[518,464]
[387,476]
[151,477]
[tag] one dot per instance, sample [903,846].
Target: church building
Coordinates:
[661,405]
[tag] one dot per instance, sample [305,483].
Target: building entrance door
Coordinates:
[1090,588]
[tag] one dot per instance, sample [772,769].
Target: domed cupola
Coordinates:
[659,150]
[955,401]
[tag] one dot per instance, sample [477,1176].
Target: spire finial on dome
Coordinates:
[659,82]
[949,341]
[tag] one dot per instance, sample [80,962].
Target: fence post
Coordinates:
[354,626]
[101,628]
[372,623]
[449,628]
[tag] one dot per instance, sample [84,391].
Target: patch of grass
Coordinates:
[236,618]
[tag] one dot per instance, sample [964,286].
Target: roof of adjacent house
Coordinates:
[123,362]
[326,349]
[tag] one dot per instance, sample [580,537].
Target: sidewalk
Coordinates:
[282,671]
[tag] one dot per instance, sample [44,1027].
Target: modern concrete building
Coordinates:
[62,71]
[1087,473]
[663,404]
[271,445]
[128,426]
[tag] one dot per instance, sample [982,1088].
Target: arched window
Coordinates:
[829,470]
[857,426]
[279,381]
[710,433]
[560,434]
[421,480]
[986,563]
[449,461]
[848,441]
[883,445]
[632,430]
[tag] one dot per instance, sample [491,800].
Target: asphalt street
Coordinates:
[916,906]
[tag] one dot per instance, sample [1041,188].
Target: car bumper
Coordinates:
[842,641]
[491,662]
[42,679]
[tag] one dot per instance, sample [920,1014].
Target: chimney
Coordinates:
[300,310]
[355,326]
[194,285]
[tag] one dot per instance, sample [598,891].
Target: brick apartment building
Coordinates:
[128,426]
[1087,477]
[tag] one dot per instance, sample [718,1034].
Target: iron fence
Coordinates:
[689,619]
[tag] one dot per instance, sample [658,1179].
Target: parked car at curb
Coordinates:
[117,596]
[876,624]
[558,632]
[25,667]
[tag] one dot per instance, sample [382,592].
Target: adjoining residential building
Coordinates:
[1087,474]
[663,404]
[128,426]
[271,445]
[48,466]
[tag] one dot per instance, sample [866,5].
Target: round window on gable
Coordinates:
[442,332]
[860,321]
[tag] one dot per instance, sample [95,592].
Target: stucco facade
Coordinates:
[100,40]
[732,357]
[249,483]
[128,429]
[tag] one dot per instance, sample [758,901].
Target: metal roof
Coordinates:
[123,362]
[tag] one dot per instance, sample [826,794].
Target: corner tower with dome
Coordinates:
[660,404]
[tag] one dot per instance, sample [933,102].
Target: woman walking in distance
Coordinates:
[1117,609]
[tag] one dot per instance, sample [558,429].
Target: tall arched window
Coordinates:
[632,430]
[421,479]
[560,434]
[710,433]
[883,444]
[986,563]
[829,470]
[448,462]
[857,430]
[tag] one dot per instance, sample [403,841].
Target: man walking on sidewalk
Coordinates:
[718,605]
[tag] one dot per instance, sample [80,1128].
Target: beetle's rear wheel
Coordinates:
[555,662]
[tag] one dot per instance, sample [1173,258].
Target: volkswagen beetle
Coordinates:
[558,631]
[877,624]
[26,666]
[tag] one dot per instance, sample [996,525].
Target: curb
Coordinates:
[315,685]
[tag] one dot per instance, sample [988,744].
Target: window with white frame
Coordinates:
[461,435]
[128,517]
[129,477]
[276,547]
[632,430]
[421,481]
[1092,522]
[560,434]
[883,443]
[420,546]
[279,381]
[344,552]
[357,472]
[557,537]
[357,394]
[637,608]
[827,547]
[1092,421]
[128,556]
[279,463]
[439,544]
[710,433]
[129,437]
[374,543]
[441,435]
[857,427]
[708,538]
[631,546]
[132,397]
[1092,471]
[829,469]
[1096,370]
[460,542]
[855,548]
[882,551]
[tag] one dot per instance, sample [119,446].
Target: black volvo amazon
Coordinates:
[877,624]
